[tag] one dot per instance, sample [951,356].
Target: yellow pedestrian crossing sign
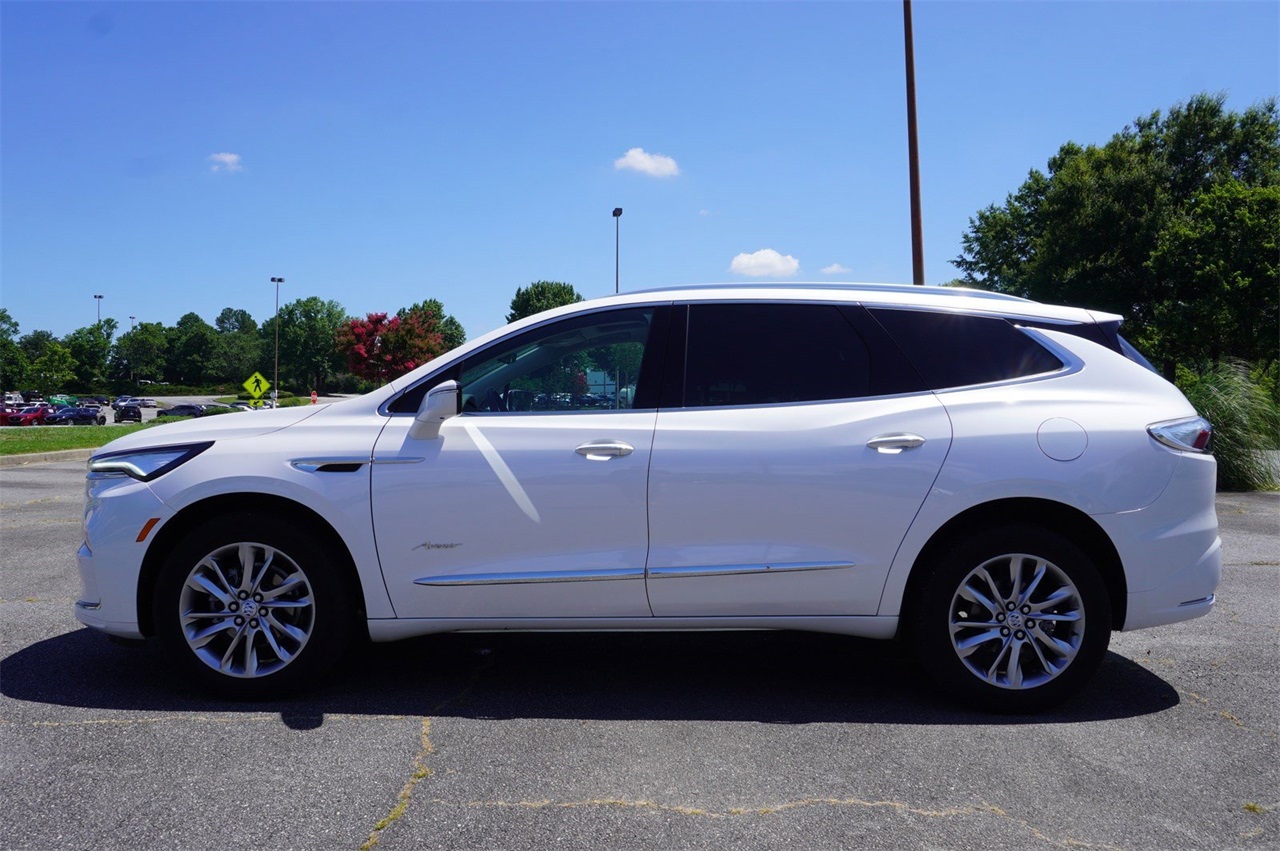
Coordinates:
[256,385]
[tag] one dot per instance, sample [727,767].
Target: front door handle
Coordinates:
[892,444]
[603,450]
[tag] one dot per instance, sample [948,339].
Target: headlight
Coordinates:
[144,464]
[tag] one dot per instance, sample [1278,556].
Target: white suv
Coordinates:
[1000,482]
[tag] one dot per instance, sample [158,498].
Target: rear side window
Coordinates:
[955,350]
[761,354]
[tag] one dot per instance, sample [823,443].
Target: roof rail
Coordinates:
[959,292]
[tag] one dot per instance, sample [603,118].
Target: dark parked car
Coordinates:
[128,413]
[76,416]
[182,411]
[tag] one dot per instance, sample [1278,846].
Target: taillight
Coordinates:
[1186,435]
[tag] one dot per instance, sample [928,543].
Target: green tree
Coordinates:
[141,352]
[450,329]
[90,348]
[1221,259]
[8,325]
[1123,228]
[34,344]
[235,321]
[239,347]
[13,361]
[193,345]
[53,370]
[540,296]
[308,352]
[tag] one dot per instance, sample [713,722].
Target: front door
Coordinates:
[531,503]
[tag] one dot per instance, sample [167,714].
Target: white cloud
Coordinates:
[834,269]
[654,165]
[225,162]
[765,262]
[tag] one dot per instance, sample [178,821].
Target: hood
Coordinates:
[221,427]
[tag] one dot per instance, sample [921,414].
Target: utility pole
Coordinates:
[913,153]
[275,380]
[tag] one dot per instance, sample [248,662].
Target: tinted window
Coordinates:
[759,354]
[954,350]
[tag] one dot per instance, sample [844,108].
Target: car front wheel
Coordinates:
[1014,619]
[252,607]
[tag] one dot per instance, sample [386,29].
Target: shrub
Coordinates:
[1245,421]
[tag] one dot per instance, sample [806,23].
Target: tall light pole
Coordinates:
[913,152]
[98,299]
[617,230]
[275,381]
[133,322]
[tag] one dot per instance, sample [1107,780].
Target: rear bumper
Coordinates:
[1171,552]
[1187,594]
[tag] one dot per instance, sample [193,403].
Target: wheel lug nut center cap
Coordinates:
[1015,619]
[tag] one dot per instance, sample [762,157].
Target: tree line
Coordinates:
[322,348]
[1173,223]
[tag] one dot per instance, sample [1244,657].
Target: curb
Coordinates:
[39,457]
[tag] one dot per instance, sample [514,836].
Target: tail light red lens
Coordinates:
[1192,434]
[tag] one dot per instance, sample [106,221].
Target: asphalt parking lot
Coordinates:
[698,741]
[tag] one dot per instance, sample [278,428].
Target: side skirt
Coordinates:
[394,629]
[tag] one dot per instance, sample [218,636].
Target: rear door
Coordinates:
[790,456]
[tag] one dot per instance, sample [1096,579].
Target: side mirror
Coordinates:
[440,403]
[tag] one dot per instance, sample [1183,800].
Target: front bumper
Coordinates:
[117,510]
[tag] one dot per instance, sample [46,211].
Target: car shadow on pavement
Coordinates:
[765,677]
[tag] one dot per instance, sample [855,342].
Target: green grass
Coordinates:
[15,440]
[1245,422]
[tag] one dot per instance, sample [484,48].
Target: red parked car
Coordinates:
[33,415]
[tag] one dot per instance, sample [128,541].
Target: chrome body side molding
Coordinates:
[535,576]
[745,569]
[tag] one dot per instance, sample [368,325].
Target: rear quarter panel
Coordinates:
[997,447]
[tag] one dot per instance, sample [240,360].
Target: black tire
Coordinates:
[1022,659]
[267,635]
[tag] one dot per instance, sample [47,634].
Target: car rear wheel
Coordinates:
[1014,619]
[252,607]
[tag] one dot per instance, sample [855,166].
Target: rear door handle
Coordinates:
[892,444]
[603,450]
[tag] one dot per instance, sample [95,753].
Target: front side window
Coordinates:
[592,362]
[761,354]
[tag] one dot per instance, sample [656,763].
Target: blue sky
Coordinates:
[173,157]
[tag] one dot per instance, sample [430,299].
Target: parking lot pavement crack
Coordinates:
[188,719]
[420,771]
[60,600]
[900,807]
[420,768]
